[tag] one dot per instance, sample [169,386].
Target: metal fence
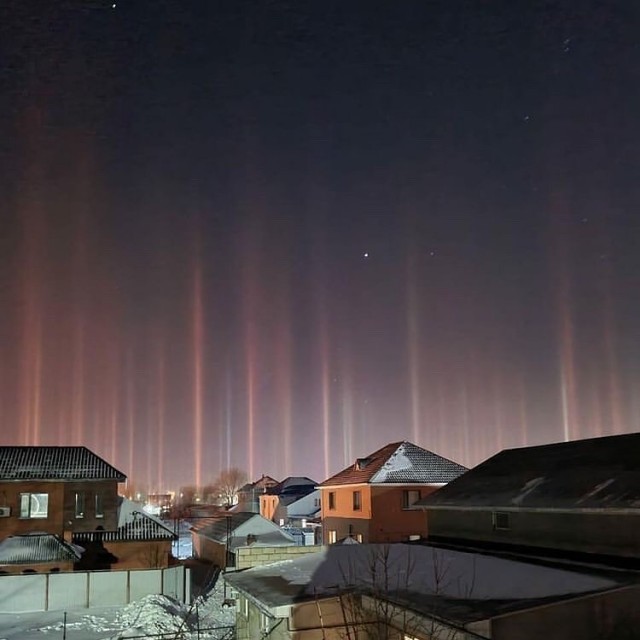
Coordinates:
[84,589]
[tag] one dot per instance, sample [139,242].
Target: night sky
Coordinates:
[280,234]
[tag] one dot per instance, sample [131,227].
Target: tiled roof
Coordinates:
[37,549]
[55,463]
[398,463]
[217,526]
[133,525]
[597,473]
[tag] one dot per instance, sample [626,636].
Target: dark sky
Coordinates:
[279,235]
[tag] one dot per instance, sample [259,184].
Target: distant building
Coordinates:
[293,502]
[223,534]
[372,499]
[249,494]
[580,497]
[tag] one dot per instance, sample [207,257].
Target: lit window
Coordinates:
[34,505]
[332,500]
[501,521]
[359,537]
[99,507]
[79,505]
[357,501]
[333,536]
[410,497]
[282,522]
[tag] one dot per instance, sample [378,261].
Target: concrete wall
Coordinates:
[82,589]
[43,567]
[253,556]
[606,533]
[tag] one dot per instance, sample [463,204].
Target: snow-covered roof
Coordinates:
[596,473]
[133,524]
[37,548]
[55,463]
[399,463]
[238,526]
[465,586]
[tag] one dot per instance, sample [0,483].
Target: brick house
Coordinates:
[567,499]
[57,490]
[372,499]
[71,494]
[291,501]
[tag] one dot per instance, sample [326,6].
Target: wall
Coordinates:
[605,533]
[82,589]
[140,555]
[61,507]
[344,502]
[15,525]
[344,527]
[43,567]
[207,549]
[392,523]
[609,616]
[253,556]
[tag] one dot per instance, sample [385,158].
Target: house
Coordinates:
[418,592]
[292,502]
[56,490]
[37,553]
[140,541]
[570,498]
[224,534]
[371,500]
[249,494]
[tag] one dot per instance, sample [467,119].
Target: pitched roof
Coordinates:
[292,485]
[597,473]
[55,463]
[133,525]
[469,592]
[37,548]
[264,532]
[399,463]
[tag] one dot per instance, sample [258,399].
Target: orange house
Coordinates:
[372,500]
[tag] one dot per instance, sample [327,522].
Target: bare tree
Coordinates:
[374,606]
[228,483]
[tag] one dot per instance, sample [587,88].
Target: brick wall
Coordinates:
[247,557]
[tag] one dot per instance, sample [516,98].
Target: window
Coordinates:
[501,521]
[357,501]
[333,536]
[316,502]
[99,507]
[332,500]
[79,505]
[359,537]
[410,497]
[34,505]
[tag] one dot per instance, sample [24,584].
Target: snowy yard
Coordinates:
[150,616]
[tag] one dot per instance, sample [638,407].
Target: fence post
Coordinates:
[64,626]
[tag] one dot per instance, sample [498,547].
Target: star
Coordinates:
[365,254]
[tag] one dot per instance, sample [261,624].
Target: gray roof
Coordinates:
[37,549]
[597,473]
[462,587]
[55,463]
[217,526]
[398,463]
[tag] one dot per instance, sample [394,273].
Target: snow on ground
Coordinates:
[151,615]
[182,547]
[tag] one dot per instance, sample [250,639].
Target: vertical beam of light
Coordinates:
[31,339]
[567,364]
[198,357]
[413,354]
[130,419]
[522,411]
[613,385]
[160,408]
[347,413]
[251,408]
[228,418]
[283,376]
[326,395]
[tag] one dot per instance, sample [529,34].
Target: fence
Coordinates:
[84,589]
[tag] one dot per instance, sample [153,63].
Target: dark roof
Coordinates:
[399,463]
[293,485]
[55,463]
[216,527]
[469,593]
[36,549]
[133,525]
[598,473]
